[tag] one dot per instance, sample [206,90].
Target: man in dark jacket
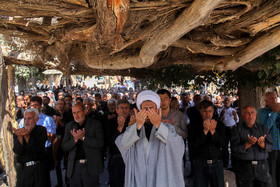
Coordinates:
[84,140]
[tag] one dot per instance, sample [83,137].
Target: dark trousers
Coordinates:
[249,175]
[57,157]
[274,167]
[116,169]
[31,176]
[82,178]
[204,173]
[48,164]
[227,145]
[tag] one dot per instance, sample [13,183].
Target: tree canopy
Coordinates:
[141,37]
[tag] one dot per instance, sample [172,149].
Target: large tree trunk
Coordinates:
[7,155]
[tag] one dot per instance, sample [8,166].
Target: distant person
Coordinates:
[230,118]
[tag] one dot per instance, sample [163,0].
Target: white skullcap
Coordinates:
[147,95]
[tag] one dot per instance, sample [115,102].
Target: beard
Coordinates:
[148,121]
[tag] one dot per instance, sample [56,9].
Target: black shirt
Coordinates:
[50,111]
[66,118]
[206,147]
[80,153]
[239,137]
[111,134]
[194,115]
[35,148]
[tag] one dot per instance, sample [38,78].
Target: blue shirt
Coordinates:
[229,120]
[272,120]
[45,121]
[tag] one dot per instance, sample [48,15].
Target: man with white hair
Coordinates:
[29,146]
[152,151]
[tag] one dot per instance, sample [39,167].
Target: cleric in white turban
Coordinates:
[151,149]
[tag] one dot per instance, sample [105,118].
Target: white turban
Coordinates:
[147,95]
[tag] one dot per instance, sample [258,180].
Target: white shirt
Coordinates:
[229,120]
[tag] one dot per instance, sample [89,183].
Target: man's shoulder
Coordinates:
[264,110]
[45,117]
[175,113]
[93,121]
[168,125]
[40,128]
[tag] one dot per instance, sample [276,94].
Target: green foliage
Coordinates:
[23,72]
[171,76]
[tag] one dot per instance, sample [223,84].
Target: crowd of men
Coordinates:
[144,136]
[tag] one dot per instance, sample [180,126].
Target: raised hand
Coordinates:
[212,126]
[206,125]
[75,135]
[168,121]
[121,121]
[132,120]
[155,117]
[261,141]
[140,118]
[275,107]
[252,140]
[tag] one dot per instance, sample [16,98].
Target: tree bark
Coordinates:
[258,47]
[6,118]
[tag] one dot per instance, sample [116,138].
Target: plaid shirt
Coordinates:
[272,120]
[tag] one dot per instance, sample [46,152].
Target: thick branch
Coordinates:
[199,47]
[190,18]
[217,41]
[264,25]
[258,47]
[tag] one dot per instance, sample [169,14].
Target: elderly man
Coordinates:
[49,123]
[270,117]
[251,143]
[152,150]
[206,142]
[29,146]
[88,103]
[83,139]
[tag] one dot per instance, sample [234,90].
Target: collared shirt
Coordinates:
[206,146]
[229,120]
[179,122]
[272,120]
[239,137]
[45,121]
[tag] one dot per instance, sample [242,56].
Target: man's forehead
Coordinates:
[124,105]
[148,103]
[29,114]
[77,108]
[163,95]
[249,109]
[208,108]
[34,102]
